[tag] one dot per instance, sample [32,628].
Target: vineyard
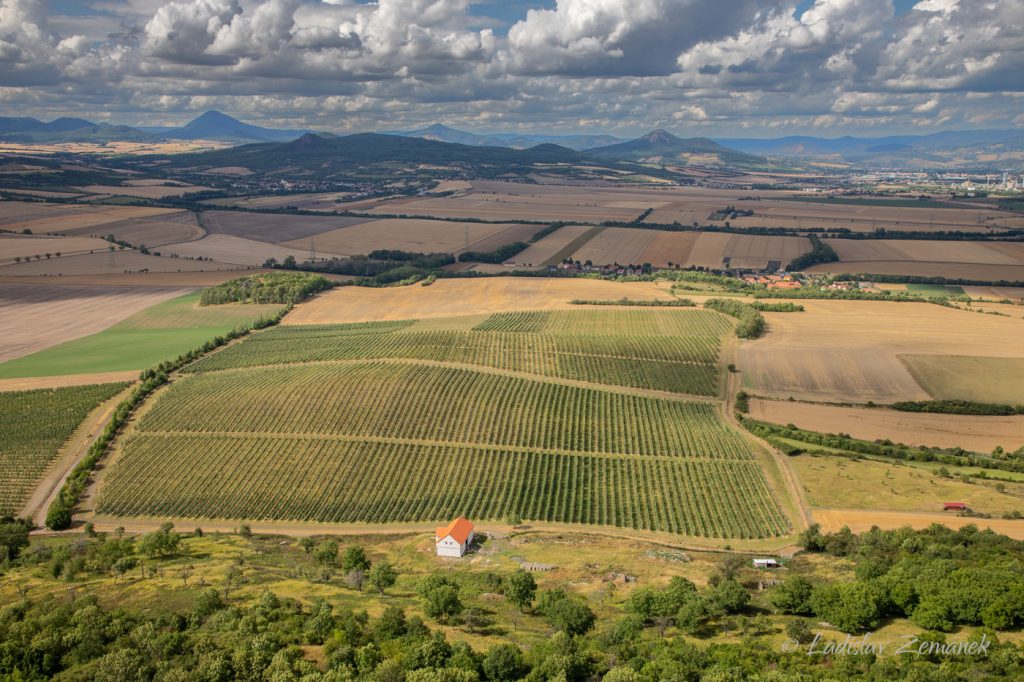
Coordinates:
[318,478]
[302,423]
[675,352]
[35,425]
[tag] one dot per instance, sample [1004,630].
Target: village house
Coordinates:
[454,539]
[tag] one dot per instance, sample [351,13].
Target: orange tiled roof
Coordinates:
[459,529]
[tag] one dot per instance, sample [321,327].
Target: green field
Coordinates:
[34,426]
[936,289]
[667,350]
[331,412]
[965,377]
[158,333]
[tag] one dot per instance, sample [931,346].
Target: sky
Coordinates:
[716,68]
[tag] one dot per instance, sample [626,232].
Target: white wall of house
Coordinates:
[447,546]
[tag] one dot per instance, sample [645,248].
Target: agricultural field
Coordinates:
[154,231]
[662,350]
[456,297]
[976,433]
[23,246]
[418,236]
[495,200]
[319,201]
[272,228]
[553,248]
[159,332]
[35,426]
[145,189]
[29,311]
[225,248]
[453,438]
[851,351]
[48,218]
[102,263]
[964,377]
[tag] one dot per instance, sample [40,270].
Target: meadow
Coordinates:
[509,414]
[157,333]
[35,425]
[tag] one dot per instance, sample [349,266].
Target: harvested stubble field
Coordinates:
[616,245]
[555,247]
[43,218]
[147,191]
[159,332]
[156,231]
[419,236]
[311,441]
[979,434]
[455,297]
[25,246]
[272,228]
[237,250]
[849,351]
[321,201]
[34,427]
[660,350]
[27,325]
[99,263]
[968,271]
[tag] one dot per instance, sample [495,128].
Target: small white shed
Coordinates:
[454,539]
[766,563]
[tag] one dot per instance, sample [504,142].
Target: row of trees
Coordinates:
[275,287]
[751,323]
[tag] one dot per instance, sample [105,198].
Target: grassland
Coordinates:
[157,333]
[35,425]
[843,483]
[967,377]
[663,350]
[458,417]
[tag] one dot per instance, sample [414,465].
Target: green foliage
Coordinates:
[354,559]
[957,407]
[275,287]
[34,426]
[783,307]
[520,589]
[13,537]
[499,255]
[653,303]
[160,542]
[751,323]
[566,614]
[820,253]
[793,596]
[850,607]
[381,576]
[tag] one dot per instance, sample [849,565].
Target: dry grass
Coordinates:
[422,236]
[454,297]
[859,521]
[849,350]
[979,434]
[842,483]
[37,317]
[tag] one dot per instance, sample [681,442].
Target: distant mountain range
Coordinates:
[955,149]
[443,133]
[374,154]
[211,125]
[661,147]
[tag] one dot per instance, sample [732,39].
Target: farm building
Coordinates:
[454,539]
[954,506]
[766,563]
